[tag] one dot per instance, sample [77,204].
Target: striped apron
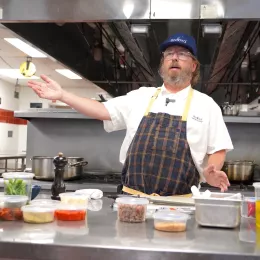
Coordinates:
[158,160]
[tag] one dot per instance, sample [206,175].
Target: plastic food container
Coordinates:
[218,210]
[45,202]
[38,214]
[248,207]
[257,203]
[74,198]
[132,209]
[11,207]
[18,183]
[170,221]
[69,212]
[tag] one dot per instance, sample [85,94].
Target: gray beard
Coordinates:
[183,77]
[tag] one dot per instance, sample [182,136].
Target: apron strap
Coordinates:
[187,106]
[156,94]
[186,109]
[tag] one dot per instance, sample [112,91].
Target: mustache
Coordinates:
[174,65]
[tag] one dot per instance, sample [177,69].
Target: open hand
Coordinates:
[49,89]
[216,178]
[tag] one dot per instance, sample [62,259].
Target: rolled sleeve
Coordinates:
[117,121]
[218,137]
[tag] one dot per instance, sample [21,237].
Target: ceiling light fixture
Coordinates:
[14,74]
[211,30]
[68,73]
[26,48]
[139,28]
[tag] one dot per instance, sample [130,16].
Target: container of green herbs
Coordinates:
[18,183]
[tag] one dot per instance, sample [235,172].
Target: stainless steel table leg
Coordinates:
[6,165]
[16,164]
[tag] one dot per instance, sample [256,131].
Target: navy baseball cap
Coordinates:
[180,39]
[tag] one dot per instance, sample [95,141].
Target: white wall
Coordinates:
[7,96]
[8,145]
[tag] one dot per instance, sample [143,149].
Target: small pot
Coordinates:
[43,167]
[239,170]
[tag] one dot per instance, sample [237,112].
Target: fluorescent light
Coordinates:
[139,28]
[68,73]
[128,9]
[212,29]
[26,48]
[14,74]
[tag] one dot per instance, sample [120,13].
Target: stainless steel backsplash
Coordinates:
[87,138]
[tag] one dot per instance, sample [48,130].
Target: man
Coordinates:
[175,136]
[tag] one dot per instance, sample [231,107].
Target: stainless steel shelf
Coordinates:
[242,119]
[50,113]
[72,114]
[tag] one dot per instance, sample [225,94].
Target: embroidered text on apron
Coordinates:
[159,158]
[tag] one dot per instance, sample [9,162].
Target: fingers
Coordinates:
[38,91]
[223,187]
[46,79]
[32,84]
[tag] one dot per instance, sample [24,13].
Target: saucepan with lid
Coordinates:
[239,170]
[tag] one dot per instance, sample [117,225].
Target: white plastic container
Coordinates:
[248,207]
[10,208]
[38,214]
[70,212]
[74,198]
[18,183]
[131,210]
[170,221]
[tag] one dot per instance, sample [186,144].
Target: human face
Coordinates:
[177,66]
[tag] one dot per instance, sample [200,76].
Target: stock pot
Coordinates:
[43,167]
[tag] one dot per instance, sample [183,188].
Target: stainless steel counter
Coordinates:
[75,185]
[103,237]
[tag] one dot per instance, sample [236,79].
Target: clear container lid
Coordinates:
[39,209]
[250,199]
[18,175]
[15,199]
[74,195]
[70,207]
[168,215]
[132,201]
[45,202]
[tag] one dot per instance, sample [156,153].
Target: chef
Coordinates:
[175,136]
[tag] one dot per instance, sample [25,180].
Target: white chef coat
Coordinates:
[206,129]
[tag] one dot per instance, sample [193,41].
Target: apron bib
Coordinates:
[159,161]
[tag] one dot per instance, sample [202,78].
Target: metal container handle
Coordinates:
[77,164]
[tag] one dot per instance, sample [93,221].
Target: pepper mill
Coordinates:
[58,185]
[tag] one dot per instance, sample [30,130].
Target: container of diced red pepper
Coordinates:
[70,212]
[10,207]
[248,207]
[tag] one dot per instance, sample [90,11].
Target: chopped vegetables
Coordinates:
[15,187]
[251,209]
[70,215]
[11,214]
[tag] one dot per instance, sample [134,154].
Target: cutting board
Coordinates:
[172,200]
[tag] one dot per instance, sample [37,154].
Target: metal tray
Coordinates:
[218,211]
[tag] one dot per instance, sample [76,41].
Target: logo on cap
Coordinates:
[178,39]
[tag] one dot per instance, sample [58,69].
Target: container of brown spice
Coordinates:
[132,210]
[170,221]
